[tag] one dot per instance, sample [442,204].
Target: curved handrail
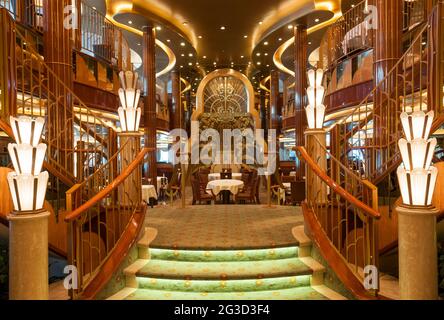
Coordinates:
[112,186]
[334,186]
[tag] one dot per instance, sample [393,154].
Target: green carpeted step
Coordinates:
[225,255]
[267,284]
[234,270]
[299,293]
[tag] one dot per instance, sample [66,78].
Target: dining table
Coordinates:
[226,188]
[217,176]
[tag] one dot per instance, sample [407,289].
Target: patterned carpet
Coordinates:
[223,227]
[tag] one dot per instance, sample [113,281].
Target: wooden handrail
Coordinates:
[113,185]
[334,186]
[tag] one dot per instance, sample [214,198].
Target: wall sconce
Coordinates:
[129,96]
[27,184]
[315,110]
[417,177]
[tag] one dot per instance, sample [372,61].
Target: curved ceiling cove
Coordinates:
[335,7]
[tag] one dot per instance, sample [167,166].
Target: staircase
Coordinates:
[287,273]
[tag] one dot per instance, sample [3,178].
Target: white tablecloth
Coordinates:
[217,186]
[149,192]
[216,176]
[293,174]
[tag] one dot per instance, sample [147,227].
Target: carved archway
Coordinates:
[236,95]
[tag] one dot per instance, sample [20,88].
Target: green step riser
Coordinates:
[303,293]
[267,284]
[224,256]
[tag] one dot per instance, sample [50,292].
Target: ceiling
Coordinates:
[209,34]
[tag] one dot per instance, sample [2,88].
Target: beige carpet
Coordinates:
[223,227]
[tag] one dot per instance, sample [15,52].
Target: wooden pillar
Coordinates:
[387,51]
[435,57]
[150,115]
[58,46]
[176,107]
[274,100]
[28,256]
[263,111]
[8,82]
[130,191]
[300,69]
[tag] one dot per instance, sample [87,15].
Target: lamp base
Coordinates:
[28,256]
[418,256]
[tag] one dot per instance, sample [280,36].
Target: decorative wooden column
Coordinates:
[58,47]
[131,189]
[387,52]
[8,81]
[150,115]
[300,69]
[274,100]
[435,57]
[263,112]
[176,107]
[28,256]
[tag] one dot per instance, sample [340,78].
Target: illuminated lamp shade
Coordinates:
[417,125]
[129,80]
[130,119]
[27,159]
[417,186]
[129,98]
[418,153]
[315,116]
[315,77]
[315,111]
[27,130]
[28,191]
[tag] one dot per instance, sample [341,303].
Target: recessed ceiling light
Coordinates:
[266,43]
[182,44]
[200,37]
[168,40]
[204,57]
[183,54]
[317,20]
[258,54]
[181,67]
[280,39]
[266,54]
[222,28]
[242,57]
[290,26]
[260,22]
[185,23]
[245,36]
[130,22]
[190,55]
[190,63]
[309,43]
[159,28]
[258,63]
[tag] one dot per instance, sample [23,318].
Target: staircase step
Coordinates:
[267,284]
[224,255]
[236,270]
[299,293]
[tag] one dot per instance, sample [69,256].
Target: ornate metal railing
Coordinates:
[102,39]
[29,87]
[27,12]
[345,208]
[100,208]
[347,34]
[370,133]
